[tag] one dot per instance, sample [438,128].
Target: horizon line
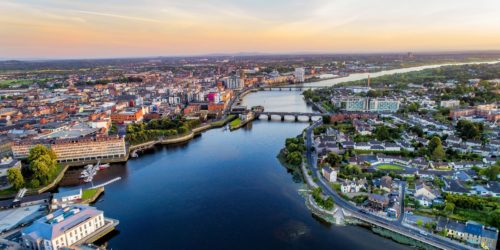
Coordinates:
[253,54]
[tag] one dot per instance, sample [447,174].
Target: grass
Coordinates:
[235,123]
[88,193]
[222,122]
[389,167]
[7,83]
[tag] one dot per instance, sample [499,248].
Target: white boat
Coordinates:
[134,154]
[104,166]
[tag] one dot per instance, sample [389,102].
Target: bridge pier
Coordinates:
[310,118]
[268,117]
[296,118]
[282,118]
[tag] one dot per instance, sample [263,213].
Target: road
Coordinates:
[395,226]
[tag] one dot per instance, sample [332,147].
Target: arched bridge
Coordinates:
[289,88]
[283,115]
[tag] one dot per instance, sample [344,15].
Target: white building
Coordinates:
[63,228]
[235,82]
[300,75]
[450,104]
[8,163]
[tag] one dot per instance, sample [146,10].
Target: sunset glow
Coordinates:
[67,29]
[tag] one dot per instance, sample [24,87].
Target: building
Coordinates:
[235,82]
[129,116]
[383,105]
[378,201]
[104,148]
[329,174]
[471,232]
[450,104]
[64,228]
[7,163]
[300,75]
[64,198]
[364,104]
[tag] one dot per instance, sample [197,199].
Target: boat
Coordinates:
[104,166]
[134,154]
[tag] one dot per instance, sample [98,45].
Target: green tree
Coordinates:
[333,159]
[449,208]
[469,130]
[43,163]
[491,172]
[436,150]
[420,223]
[15,178]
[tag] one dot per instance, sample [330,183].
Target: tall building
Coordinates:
[65,227]
[364,104]
[105,148]
[235,82]
[383,105]
[300,74]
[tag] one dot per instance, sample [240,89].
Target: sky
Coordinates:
[129,28]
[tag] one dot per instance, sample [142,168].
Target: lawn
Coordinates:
[222,122]
[88,193]
[236,122]
[7,83]
[389,167]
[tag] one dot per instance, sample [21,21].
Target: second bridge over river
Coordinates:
[283,116]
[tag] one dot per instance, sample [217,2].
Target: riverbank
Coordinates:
[180,138]
[11,193]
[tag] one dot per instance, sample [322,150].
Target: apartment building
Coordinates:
[78,149]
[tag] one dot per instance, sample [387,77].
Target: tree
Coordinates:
[469,130]
[333,159]
[449,208]
[420,223]
[438,153]
[42,163]
[382,133]
[436,149]
[491,172]
[15,178]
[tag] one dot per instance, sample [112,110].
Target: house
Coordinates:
[329,174]
[453,140]
[7,163]
[454,187]
[353,186]
[425,195]
[386,183]
[64,198]
[392,147]
[471,232]
[378,201]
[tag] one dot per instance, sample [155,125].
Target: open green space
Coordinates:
[88,193]
[235,123]
[389,167]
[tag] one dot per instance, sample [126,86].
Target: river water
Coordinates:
[223,190]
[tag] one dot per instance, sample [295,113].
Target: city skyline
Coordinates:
[90,29]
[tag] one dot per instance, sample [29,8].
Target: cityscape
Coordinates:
[152,126]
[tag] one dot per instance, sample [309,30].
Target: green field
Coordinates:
[235,123]
[7,83]
[389,167]
[88,193]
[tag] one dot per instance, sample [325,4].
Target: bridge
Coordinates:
[288,88]
[282,115]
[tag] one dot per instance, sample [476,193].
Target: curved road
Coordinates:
[361,214]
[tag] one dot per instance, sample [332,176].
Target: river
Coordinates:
[223,190]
